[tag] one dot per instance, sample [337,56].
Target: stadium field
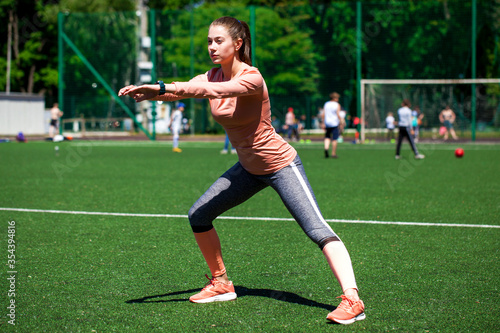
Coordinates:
[102,241]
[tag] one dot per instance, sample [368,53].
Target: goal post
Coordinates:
[379,96]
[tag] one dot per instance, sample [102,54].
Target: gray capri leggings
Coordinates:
[237,185]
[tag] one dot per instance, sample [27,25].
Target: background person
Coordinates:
[331,123]
[55,114]
[239,101]
[291,125]
[302,124]
[447,118]
[417,117]
[404,124]
[356,123]
[226,146]
[342,126]
[276,123]
[390,124]
[176,126]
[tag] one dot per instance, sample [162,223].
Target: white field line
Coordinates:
[424,224]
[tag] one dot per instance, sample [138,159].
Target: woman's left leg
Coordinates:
[294,189]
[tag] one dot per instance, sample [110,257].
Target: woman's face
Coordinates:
[221,47]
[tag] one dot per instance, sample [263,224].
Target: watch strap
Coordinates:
[162,87]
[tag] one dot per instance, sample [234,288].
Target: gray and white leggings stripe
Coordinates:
[237,185]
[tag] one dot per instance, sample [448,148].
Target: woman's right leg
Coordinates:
[234,187]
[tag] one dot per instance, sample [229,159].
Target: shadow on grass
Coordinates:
[279,295]
[151,299]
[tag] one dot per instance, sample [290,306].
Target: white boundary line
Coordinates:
[430,81]
[425,224]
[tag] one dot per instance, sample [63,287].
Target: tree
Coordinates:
[30,34]
[34,40]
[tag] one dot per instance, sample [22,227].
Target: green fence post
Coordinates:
[204,117]
[152,33]
[252,33]
[308,123]
[60,54]
[473,64]
[191,64]
[358,70]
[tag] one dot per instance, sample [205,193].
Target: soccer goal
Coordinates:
[476,102]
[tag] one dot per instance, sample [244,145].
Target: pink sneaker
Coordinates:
[215,291]
[348,311]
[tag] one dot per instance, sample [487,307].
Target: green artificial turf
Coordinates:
[83,273]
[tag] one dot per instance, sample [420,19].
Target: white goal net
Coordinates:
[476,102]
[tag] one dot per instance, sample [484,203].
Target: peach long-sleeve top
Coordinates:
[241,105]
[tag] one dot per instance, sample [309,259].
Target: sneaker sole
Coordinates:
[217,298]
[349,321]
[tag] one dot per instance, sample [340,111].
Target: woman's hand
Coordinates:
[140,93]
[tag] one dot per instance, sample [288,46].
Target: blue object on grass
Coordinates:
[20,137]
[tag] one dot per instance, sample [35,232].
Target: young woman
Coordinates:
[239,101]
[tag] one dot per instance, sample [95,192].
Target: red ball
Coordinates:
[459,152]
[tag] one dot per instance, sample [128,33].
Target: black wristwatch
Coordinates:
[162,87]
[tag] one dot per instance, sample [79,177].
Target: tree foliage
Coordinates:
[34,40]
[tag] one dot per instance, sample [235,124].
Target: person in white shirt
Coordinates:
[405,128]
[331,122]
[390,124]
[176,125]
